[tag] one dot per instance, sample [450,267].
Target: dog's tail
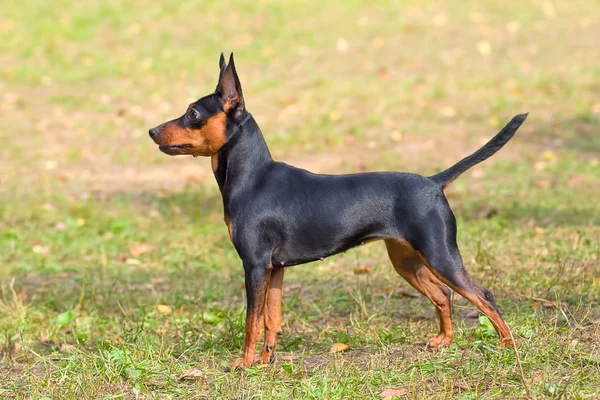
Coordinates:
[489,149]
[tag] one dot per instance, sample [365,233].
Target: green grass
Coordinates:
[97,228]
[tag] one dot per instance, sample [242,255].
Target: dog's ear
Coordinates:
[222,64]
[229,88]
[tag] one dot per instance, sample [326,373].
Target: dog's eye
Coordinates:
[193,114]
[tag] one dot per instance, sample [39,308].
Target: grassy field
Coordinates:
[116,270]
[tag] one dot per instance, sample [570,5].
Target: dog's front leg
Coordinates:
[257,276]
[272,316]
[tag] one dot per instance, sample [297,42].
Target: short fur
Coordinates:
[279,215]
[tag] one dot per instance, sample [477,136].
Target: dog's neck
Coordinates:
[240,160]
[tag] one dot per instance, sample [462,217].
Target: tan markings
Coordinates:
[205,141]
[214,162]
[254,322]
[229,226]
[407,264]
[481,303]
[191,105]
[272,315]
[228,106]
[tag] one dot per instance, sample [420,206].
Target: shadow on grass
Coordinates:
[543,216]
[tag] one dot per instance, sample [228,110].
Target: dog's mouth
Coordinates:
[174,150]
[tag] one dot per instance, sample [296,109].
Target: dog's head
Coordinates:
[207,123]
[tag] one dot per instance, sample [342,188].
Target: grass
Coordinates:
[117,274]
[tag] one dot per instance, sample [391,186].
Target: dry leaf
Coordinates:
[341,45]
[43,250]
[396,136]
[377,43]
[137,250]
[448,112]
[393,392]
[191,375]
[339,347]
[181,310]
[132,261]
[49,207]
[383,74]
[51,164]
[362,270]
[163,309]
[548,155]
[484,48]
[440,20]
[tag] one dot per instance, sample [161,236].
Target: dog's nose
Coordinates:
[153,132]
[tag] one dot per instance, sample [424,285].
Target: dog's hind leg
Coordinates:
[437,249]
[407,264]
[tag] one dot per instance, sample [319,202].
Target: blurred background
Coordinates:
[98,228]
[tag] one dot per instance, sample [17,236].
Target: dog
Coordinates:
[279,215]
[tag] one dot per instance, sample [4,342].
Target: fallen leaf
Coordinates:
[548,155]
[43,250]
[289,357]
[341,45]
[191,375]
[137,250]
[383,74]
[362,270]
[448,112]
[164,309]
[440,20]
[51,164]
[396,136]
[377,43]
[513,27]
[339,347]
[393,392]
[49,207]
[181,310]
[484,48]
[132,261]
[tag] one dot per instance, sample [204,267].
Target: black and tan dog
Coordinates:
[279,215]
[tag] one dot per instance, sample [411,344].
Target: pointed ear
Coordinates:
[222,64]
[222,67]
[229,87]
